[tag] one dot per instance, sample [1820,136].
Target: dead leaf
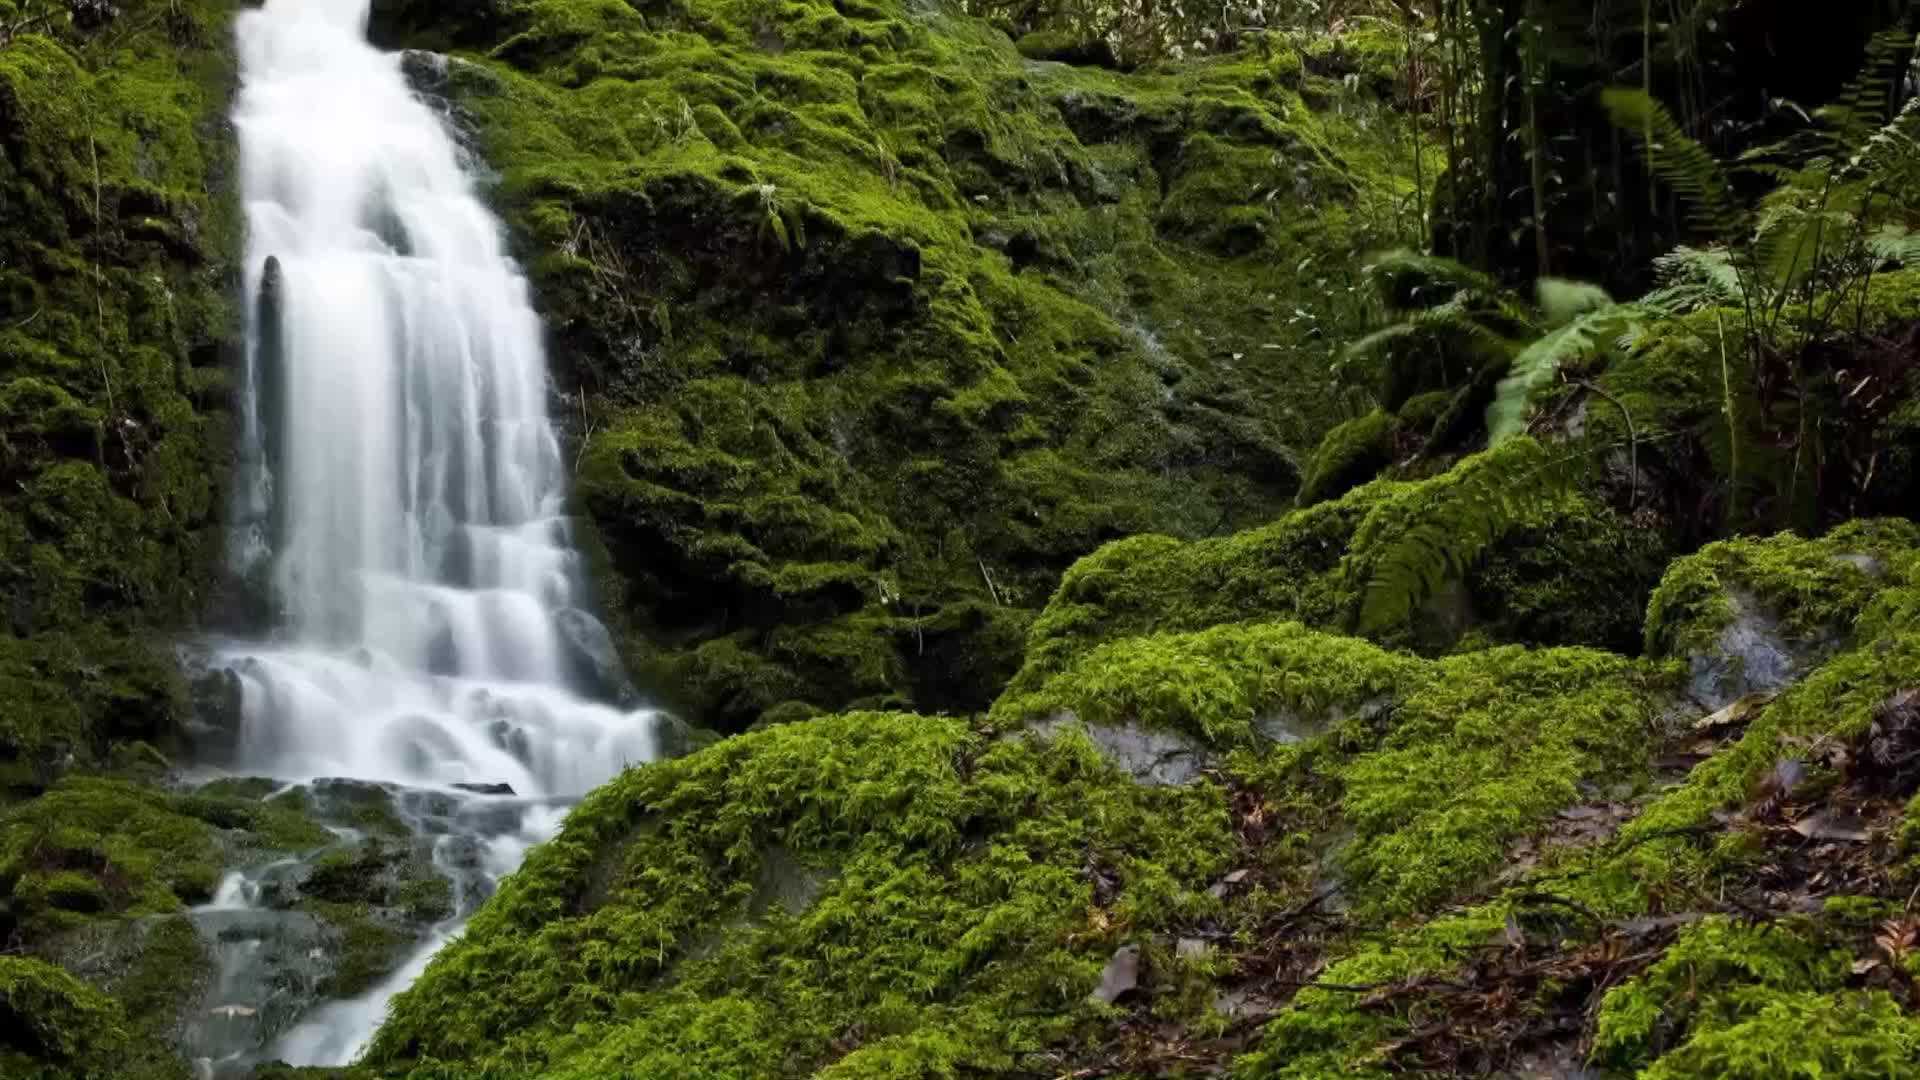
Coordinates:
[1121,975]
[1828,826]
[1736,712]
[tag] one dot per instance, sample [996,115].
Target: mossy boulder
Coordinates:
[1753,615]
[966,894]
[93,847]
[1557,568]
[869,326]
[59,1028]
[116,318]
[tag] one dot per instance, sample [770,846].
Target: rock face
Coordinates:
[869,325]
[116,326]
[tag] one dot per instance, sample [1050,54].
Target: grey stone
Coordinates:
[1290,726]
[784,880]
[1120,976]
[1151,756]
[592,659]
[1751,655]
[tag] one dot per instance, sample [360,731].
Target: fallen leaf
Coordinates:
[1735,712]
[1826,826]
[1865,964]
[1121,975]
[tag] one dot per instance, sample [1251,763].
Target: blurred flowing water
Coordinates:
[400,501]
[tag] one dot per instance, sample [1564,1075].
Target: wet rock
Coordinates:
[1154,757]
[269,967]
[1751,655]
[592,659]
[674,737]
[487,789]
[215,709]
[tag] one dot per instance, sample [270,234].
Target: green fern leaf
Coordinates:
[1677,158]
[1406,549]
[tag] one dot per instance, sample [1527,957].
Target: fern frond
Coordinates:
[1862,105]
[1895,244]
[1407,548]
[1892,153]
[1538,363]
[1453,322]
[1404,272]
[1693,278]
[1561,301]
[1792,243]
[1677,158]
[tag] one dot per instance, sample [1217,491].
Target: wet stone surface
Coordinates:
[1151,756]
[1752,654]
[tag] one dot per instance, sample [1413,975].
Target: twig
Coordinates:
[1633,440]
[991,591]
[99,279]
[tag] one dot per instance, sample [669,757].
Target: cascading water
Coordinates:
[402,492]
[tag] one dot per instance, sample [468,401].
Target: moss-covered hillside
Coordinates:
[1186,844]
[876,325]
[116,321]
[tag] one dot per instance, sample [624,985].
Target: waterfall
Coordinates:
[401,485]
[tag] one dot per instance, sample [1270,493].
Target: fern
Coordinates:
[1677,158]
[1694,278]
[1852,119]
[1406,549]
[1537,364]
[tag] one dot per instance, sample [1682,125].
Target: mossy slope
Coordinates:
[877,325]
[115,326]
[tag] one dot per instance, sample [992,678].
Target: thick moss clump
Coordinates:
[114,314]
[116,321]
[55,1027]
[92,848]
[1350,455]
[1557,568]
[858,895]
[67,698]
[1521,732]
[872,325]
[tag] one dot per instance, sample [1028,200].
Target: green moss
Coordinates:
[923,322]
[1349,456]
[116,313]
[1862,1034]
[92,847]
[953,922]
[55,1026]
[1215,683]
[1814,588]
[427,899]
[79,693]
[1703,977]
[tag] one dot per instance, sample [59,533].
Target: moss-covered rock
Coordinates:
[57,1027]
[1555,568]
[1752,615]
[115,318]
[873,326]
[967,893]
[94,847]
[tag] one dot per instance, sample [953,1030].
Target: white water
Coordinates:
[402,486]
